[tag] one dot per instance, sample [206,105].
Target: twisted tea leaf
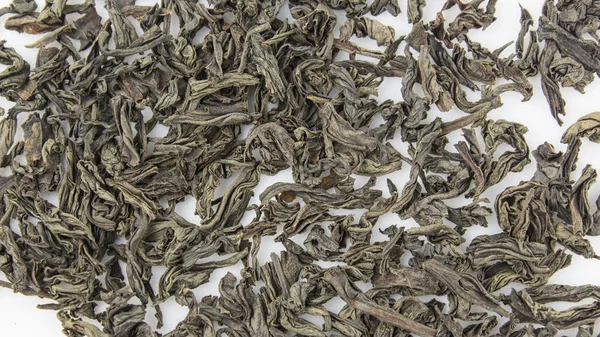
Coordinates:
[585,126]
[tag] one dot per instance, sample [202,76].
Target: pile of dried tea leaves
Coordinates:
[86,139]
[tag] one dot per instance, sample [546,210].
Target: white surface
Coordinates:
[19,317]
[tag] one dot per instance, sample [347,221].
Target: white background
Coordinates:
[19,317]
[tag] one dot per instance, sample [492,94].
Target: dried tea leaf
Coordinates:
[585,126]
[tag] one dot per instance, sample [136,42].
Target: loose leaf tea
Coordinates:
[258,95]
